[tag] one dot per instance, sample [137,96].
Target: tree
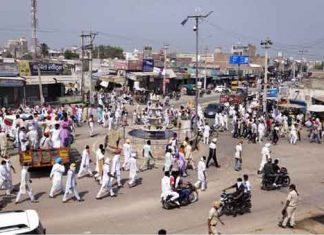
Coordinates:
[69,55]
[27,56]
[106,52]
[44,50]
[7,54]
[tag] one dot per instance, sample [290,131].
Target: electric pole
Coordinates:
[89,47]
[195,29]
[34,36]
[165,66]
[266,44]
[205,78]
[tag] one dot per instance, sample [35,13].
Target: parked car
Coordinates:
[212,109]
[20,222]
[222,89]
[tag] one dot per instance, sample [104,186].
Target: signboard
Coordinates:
[148,65]
[46,68]
[24,69]
[238,59]
[120,64]
[8,70]
[11,83]
[272,93]
[135,65]
[231,99]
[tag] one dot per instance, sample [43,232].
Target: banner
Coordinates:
[148,65]
[46,68]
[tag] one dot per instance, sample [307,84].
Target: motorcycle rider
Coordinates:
[167,190]
[238,194]
[269,172]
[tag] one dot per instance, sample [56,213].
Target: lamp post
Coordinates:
[195,29]
[266,44]
[165,65]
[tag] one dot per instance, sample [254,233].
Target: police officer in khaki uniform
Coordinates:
[289,210]
[213,218]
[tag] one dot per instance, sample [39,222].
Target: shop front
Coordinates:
[11,91]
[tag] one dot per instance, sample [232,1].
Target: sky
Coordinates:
[292,25]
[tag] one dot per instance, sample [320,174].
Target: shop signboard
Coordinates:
[46,68]
[11,83]
[272,93]
[238,59]
[148,65]
[24,69]
[8,70]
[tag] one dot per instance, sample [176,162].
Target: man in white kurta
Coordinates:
[56,177]
[85,163]
[106,183]
[132,170]
[4,177]
[70,187]
[115,169]
[3,143]
[265,152]
[127,149]
[206,134]
[25,185]
[202,181]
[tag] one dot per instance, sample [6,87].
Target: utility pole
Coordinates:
[196,29]
[165,67]
[89,48]
[266,44]
[301,52]
[205,78]
[34,36]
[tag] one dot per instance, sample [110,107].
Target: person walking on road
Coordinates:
[127,149]
[91,124]
[115,168]
[214,218]
[25,184]
[132,170]
[85,163]
[71,183]
[206,134]
[202,179]
[3,143]
[238,156]
[265,154]
[56,177]
[4,181]
[107,177]
[289,210]
[9,168]
[212,153]
[100,155]
[148,156]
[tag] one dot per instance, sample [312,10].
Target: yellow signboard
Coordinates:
[24,69]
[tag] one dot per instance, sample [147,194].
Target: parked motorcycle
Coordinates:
[230,206]
[283,180]
[187,195]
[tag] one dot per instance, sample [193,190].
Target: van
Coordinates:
[20,222]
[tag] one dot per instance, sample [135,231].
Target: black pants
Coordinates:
[212,155]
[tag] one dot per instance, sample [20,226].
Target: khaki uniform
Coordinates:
[213,216]
[291,209]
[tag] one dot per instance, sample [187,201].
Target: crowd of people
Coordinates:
[47,127]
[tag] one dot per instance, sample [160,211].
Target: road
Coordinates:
[138,210]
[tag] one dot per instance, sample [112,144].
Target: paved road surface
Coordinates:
[138,210]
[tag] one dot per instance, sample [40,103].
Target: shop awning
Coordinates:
[12,81]
[33,80]
[317,108]
[319,98]
[114,79]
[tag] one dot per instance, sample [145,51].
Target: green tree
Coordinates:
[44,50]
[69,55]
[106,51]
[319,66]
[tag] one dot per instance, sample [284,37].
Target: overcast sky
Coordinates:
[290,24]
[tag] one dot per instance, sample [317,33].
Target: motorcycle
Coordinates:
[229,206]
[187,195]
[283,180]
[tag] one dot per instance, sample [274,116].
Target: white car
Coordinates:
[20,222]
[221,89]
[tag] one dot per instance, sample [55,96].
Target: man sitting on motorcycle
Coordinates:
[269,171]
[167,190]
[238,194]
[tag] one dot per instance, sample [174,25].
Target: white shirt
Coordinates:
[238,151]
[212,145]
[201,169]
[247,185]
[165,185]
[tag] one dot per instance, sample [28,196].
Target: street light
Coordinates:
[265,44]
[195,29]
